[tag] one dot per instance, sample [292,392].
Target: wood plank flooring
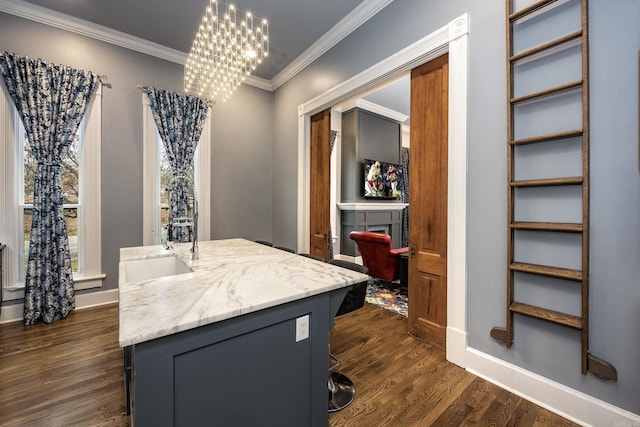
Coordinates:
[402,381]
[69,373]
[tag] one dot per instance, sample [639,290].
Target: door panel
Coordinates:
[320,211]
[428,190]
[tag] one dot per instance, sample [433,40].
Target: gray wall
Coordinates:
[242,135]
[551,351]
[241,156]
[365,135]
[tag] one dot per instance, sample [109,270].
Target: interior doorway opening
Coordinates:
[451,38]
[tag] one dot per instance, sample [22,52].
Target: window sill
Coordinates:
[81,282]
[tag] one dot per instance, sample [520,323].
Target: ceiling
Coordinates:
[294,27]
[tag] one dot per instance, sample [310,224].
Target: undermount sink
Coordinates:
[153,268]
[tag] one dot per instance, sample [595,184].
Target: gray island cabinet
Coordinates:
[237,337]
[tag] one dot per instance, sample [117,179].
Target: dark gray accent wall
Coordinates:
[545,349]
[242,137]
[365,135]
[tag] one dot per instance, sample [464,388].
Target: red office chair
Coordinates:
[378,256]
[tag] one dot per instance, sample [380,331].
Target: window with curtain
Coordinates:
[81,190]
[70,169]
[156,175]
[165,177]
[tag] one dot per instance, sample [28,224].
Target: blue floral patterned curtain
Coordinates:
[179,119]
[404,154]
[51,100]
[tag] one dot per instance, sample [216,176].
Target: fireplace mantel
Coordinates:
[373,216]
[375,206]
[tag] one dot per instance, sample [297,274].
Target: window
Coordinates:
[165,177]
[81,190]
[157,173]
[70,171]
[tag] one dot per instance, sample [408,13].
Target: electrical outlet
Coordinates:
[302,328]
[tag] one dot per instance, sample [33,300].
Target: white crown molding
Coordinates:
[259,82]
[375,108]
[80,26]
[69,23]
[342,29]
[423,50]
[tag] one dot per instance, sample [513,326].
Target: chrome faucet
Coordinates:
[184,221]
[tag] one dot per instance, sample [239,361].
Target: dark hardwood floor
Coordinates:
[402,381]
[69,373]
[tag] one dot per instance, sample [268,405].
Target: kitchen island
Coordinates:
[236,337]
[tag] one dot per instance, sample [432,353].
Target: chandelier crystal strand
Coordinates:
[225,51]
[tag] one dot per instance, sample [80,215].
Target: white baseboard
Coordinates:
[13,313]
[457,347]
[560,399]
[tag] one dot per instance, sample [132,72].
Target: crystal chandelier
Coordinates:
[227,49]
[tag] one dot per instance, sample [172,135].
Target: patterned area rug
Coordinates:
[388,296]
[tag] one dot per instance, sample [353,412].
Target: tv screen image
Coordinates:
[382,180]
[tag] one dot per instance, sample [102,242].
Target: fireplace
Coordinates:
[380,228]
[374,217]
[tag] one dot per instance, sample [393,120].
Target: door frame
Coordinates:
[451,38]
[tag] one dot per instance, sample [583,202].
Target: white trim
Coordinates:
[342,29]
[372,206]
[454,39]
[259,82]
[424,50]
[91,218]
[372,107]
[79,26]
[558,398]
[14,312]
[46,16]
[457,191]
[204,181]
[151,178]
[9,220]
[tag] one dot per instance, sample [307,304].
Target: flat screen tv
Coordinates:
[382,180]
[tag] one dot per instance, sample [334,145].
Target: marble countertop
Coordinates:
[231,278]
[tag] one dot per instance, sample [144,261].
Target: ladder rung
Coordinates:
[529,9]
[546,46]
[548,137]
[546,314]
[544,270]
[547,92]
[570,180]
[548,226]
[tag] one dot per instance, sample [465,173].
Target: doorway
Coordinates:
[451,38]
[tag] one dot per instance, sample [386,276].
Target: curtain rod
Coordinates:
[104,80]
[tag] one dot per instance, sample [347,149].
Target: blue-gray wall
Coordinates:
[241,141]
[551,351]
[254,166]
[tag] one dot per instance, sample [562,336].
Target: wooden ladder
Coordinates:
[536,14]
